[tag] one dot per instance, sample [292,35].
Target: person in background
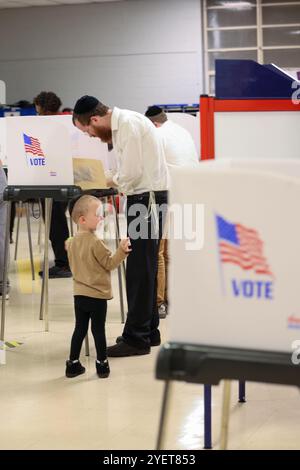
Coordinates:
[23,104]
[48,103]
[91,263]
[67,110]
[142,175]
[180,150]
[179,146]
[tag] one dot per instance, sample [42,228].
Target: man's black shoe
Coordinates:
[58,272]
[153,341]
[122,349]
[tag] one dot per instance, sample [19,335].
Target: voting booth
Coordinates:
[240,268]
[254,117]
[38,152]
[3,142]
[255,113]
[43,153]
[40,166]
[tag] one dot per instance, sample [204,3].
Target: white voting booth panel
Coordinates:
[286,167]
[190,123]
[2,125]
[83,146]
[38,152]
[257,134]
[228,305]
[3,156]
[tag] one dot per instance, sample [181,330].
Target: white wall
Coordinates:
[130,53]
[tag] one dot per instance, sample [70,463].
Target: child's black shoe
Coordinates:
[103,369]
[74,368]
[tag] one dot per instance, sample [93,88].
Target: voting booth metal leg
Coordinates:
[29,235]
[121,291]
[242,392]
[39,241]
[5,274]
[207,411]
[45,283]
[161,437]
[87,346]
[29,240]
[118,235]
[225,414]
[20,206]
[207,417]
[41,317]
[119,267]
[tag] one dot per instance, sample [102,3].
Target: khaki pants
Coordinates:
[162,272]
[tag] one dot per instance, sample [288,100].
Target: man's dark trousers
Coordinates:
[141,269]
[59,232]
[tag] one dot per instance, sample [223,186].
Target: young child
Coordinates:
[90,262]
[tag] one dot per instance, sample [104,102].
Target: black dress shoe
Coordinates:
[58,272]
[122,349]
[153,341]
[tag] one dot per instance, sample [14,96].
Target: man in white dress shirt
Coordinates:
[142,176]
[179,146]
[180,150]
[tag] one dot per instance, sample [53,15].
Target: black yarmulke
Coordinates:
[153,111]
[85,104]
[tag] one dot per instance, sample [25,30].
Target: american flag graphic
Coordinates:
[242,246]
[33,146]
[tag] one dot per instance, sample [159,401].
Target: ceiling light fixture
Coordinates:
[237,5]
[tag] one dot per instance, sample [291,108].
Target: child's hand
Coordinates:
[125,245]
[67,241]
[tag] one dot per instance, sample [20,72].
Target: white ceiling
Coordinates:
[34,3]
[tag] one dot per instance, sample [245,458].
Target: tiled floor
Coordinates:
[41,409]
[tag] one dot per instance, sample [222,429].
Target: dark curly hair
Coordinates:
[48,102]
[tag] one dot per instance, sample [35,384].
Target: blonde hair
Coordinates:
[81,207]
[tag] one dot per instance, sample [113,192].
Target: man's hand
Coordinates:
[110,183]
[125,245]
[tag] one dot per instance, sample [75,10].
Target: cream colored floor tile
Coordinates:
[41,409]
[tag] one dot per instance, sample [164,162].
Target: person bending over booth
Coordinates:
[180,150]
[142,176]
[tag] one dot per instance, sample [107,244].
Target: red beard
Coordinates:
[104,133]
